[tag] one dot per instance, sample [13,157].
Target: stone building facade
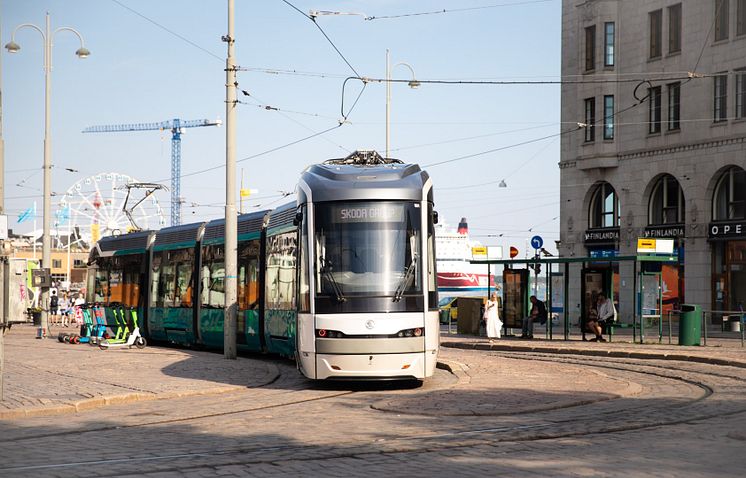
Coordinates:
[657,91]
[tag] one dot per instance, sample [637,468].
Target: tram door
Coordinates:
[515,297]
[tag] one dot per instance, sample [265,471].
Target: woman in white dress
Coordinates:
[492,317]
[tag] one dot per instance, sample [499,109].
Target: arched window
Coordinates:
[604,210]
[729,201]
[666,202]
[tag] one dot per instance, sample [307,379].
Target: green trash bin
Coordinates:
[690,324]
[445,314]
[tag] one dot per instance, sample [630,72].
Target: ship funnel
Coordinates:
[463,227]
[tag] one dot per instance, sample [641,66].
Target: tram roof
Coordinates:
[249,226]
[121,245]
[178,237]
[338,182]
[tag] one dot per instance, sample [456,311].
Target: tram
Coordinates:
[343,280]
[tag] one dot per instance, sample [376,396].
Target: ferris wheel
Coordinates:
[107,204]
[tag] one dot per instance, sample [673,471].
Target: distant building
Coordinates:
[656,154]
[22,247]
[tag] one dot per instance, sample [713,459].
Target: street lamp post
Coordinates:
[413,83]
[47,34]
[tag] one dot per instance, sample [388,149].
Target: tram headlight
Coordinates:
[416,332]
[331,334]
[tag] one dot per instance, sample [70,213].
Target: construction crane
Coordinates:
[176,126]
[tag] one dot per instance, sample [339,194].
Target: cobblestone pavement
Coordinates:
[513,412]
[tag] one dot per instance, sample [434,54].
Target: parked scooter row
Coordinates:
[122,330]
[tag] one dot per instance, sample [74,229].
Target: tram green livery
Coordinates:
[342,280]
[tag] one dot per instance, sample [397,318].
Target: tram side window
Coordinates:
[173,278]
[213,276]
[304,292]
[248,275]
[183,296]
[281,261]
[102,283]
[115,285]
[167,289]
[132,277]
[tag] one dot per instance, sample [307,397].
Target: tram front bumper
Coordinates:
[371,366]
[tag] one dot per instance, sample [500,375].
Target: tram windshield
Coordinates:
[368,249]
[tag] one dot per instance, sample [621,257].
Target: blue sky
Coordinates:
[140,72]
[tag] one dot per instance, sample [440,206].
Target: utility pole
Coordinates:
[47,33]
[231,228]
[3,279]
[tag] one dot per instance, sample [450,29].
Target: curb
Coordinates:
[597,353]
[102,401]
[455,368]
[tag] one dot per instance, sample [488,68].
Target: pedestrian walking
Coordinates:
[79,300]
[64,307]
[54,302]
[493,324]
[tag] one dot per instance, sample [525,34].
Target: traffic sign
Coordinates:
[513,252]
[537,242]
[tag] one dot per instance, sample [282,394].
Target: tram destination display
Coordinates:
[367,213]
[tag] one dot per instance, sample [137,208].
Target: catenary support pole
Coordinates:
[3,279]
[231,229]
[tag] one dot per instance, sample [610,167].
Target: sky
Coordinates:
[156,61]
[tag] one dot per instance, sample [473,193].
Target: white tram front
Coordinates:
[368,296]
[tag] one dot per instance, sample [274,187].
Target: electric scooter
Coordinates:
[128,338]
[71,337]
[86,329]
[97,315]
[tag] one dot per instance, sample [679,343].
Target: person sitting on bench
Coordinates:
[606,315]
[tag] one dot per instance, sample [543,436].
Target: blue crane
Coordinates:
[175,125]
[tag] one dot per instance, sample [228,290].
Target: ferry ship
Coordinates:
[456,276]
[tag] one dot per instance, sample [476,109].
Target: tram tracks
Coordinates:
[717,396]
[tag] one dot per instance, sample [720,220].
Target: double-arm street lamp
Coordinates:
[413,83]
[47,35]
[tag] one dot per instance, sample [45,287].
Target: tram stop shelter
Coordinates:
[583,278]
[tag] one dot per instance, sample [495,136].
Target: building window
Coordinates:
[654,113]
[590,120]
[656,32]
[721,98]
[741,93]
[609,44]
[741,17]
[666,202]
[590,47]
[674,106]
[78,263]
[674,28]
[604,210]
[56,263]
[730,195]
[609,117]
[721,19]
